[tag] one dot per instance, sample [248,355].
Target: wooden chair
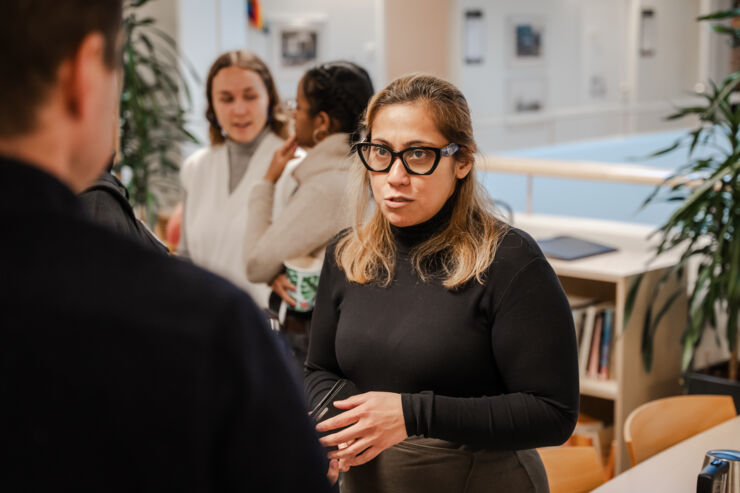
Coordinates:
[661,423]
[572,469]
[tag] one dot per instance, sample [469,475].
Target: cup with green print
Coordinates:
[304,273]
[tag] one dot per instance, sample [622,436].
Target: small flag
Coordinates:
[254,13]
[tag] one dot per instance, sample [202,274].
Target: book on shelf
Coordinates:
[606,341]
[579,314]
[584,346]
[593,357]
[594,326]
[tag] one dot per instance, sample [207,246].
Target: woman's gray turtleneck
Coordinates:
[240,154]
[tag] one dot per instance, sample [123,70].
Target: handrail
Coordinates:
[582,170]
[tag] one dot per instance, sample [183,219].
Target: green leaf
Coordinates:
[647,341]
[671,148]
[631,297]
[720,29]
[663,310]
[722,14]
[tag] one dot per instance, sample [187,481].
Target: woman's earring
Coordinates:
[318,135]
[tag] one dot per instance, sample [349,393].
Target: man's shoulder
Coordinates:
[142,286]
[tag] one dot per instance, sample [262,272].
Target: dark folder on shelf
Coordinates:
[571,248]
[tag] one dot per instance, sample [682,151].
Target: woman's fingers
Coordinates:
[376,422]
[333,473]
[282,286]
[280,159]
[343,465]
[351,402]
[366,456]
[287,150]
[356,448]
[339,421]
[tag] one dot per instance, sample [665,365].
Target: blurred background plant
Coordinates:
[705,227]
[154,103]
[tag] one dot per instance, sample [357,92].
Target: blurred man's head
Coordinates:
[58,84]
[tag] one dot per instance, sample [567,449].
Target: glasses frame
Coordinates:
[439,152]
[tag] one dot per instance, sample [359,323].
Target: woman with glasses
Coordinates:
[450,323]
[329,103]
[247,125]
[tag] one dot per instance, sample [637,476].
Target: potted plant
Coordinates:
[705,227]
[154,102]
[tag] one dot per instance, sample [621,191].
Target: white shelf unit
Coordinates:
[608,277]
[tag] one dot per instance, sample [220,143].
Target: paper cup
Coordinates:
[304,273]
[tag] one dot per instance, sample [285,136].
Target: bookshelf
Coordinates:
[608,278]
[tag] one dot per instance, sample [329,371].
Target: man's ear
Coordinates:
[462,168]
[79,75]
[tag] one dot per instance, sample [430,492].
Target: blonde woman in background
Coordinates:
[452,325]
[330,101]
[247,126]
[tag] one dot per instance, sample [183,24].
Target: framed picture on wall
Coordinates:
[296,44]
[526,95]
[526,35]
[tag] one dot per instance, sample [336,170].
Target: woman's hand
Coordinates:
[333,474]
[280,160]
[375,421]
[281,285]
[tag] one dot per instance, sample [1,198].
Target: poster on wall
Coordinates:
[526,95]
[526,40]
[647,33]
[298,47]
[474,40]
[297,43]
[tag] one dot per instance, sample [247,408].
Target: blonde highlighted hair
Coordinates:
[464,250]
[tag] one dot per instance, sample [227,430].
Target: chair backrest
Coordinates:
[661,423]
[572,469]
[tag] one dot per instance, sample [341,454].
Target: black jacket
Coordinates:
[125,370]
[107,203]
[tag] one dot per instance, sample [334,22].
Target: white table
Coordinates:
[675,469]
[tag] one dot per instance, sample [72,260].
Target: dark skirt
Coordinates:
[428,465]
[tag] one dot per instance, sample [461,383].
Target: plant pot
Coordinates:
[712,381]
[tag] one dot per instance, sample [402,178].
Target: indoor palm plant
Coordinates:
[705,227]
[154,103]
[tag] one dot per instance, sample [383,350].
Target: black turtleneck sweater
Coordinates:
[492,366]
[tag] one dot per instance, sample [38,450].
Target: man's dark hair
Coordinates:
[36,36]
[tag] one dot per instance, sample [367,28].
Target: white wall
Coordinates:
[205,29]
[350,33]
[583,39]
[673,70]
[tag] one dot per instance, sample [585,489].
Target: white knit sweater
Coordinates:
[216,219]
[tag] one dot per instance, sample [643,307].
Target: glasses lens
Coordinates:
[419,160]
[289,105]
[375,157]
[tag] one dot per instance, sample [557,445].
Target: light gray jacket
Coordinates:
[313,215]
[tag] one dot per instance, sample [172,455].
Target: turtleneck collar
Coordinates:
[332,153]
[242,150]
[410,236]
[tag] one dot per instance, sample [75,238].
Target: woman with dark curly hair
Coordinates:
[330,101]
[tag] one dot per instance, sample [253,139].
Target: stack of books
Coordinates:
[594,324]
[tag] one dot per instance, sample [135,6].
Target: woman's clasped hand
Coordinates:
[372,422]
